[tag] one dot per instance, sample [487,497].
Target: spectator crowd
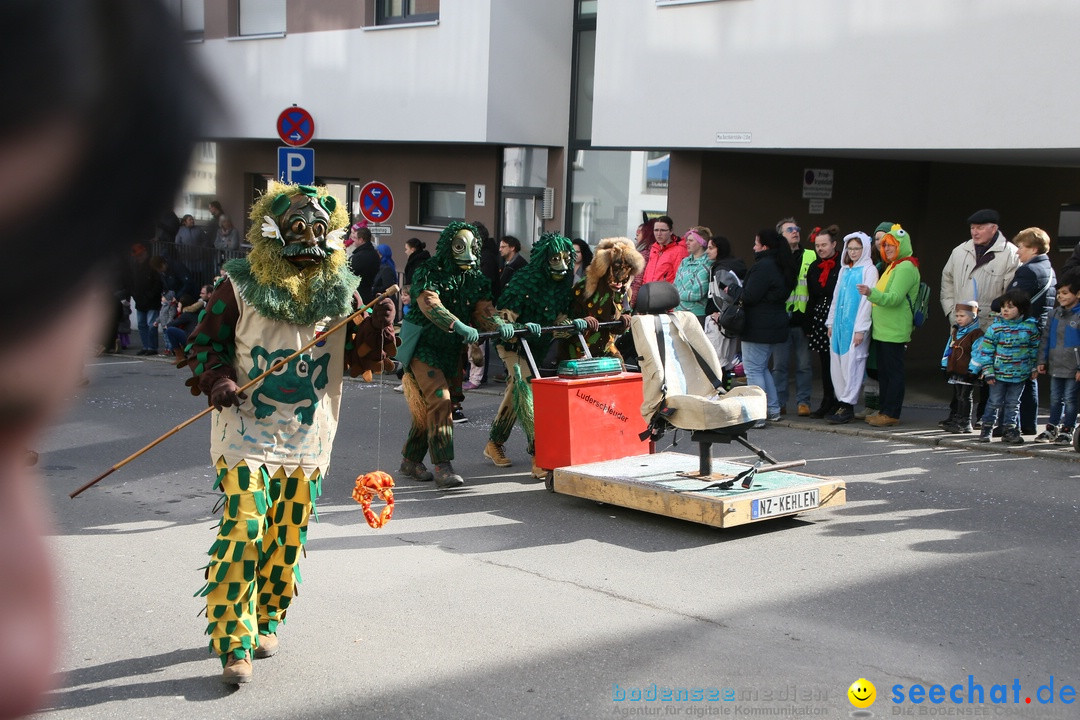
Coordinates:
[851,301]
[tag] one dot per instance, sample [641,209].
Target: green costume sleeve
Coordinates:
[429,303]
[484,316]
[212,343]
[903,282]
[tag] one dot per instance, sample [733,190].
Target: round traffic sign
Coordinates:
[295,126]
[376,202]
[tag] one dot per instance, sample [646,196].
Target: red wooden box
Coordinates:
[584,420]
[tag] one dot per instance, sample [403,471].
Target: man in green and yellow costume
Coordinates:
[272,449]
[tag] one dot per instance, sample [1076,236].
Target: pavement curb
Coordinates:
[938,438]
[916,434]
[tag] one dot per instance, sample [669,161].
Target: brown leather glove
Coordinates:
[593,323]
[225,393]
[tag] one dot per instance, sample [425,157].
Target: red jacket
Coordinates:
[664,261]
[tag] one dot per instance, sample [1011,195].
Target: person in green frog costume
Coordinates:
[451,298]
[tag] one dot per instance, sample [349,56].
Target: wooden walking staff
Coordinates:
[389,292]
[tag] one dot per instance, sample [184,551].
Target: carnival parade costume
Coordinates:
[538,295]
[601,295]
[271,450]
[447,290]
[849,314]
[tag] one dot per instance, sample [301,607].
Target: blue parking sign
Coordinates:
[296,165]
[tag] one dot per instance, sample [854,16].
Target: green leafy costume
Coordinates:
[537,293]
[459,292]
[448,291]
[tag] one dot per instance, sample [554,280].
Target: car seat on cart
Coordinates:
[681,374]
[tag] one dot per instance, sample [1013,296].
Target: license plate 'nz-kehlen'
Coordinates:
[784,504]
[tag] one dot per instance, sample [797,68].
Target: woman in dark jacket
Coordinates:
[416,254]
[821,279]
[582,258]
[724,260]
[764,294]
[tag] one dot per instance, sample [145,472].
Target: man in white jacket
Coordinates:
[979,269]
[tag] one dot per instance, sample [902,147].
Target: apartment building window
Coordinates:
[261,17]
[657,166]
[607,191]
[190,13]
[397,12]
[439,203]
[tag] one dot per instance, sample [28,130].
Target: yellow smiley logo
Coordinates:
[862,693]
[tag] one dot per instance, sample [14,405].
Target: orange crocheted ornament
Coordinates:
[367,487]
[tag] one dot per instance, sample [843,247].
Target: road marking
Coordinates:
[1004,459]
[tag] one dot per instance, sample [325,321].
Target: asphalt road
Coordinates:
[502,600]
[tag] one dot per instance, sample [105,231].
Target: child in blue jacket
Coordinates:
[1006,359]
[1059,357]
[956,362]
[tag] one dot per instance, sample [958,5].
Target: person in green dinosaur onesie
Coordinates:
[538,295]
[600,296]
[448,291]
[272,452]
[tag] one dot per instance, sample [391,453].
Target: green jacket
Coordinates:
[892,298]
[692,282]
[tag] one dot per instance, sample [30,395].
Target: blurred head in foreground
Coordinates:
[109,104]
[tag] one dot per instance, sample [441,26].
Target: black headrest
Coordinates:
[656,298]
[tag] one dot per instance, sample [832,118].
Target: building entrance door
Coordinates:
[521,215]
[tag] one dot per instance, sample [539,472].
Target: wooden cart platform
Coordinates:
[652,483]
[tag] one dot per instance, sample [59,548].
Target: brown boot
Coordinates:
[446,478]
[237,670]
[415,470]
[268,646]
[494,452]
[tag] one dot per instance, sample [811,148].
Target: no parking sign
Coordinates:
[376,202]
[295,126]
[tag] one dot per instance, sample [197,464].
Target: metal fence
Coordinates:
[203,262]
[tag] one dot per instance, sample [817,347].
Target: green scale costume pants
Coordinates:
[428,394]
[509,409]
[254,563]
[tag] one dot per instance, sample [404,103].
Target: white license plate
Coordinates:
[784,504]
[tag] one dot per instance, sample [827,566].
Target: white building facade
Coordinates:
[581,115]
